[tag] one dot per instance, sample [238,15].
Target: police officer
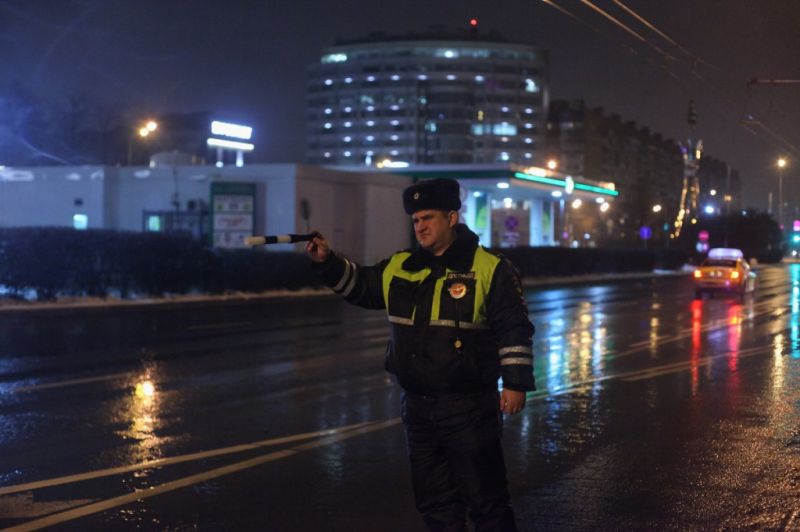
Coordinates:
[458,322]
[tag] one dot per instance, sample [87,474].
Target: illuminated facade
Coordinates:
[592,144]
[424,99]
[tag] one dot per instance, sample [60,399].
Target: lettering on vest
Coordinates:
[454,276]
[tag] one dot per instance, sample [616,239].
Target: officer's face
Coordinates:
[434,229]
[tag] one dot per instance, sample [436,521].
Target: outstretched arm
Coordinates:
[359,285]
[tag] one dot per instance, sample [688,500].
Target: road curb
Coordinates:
[242,298]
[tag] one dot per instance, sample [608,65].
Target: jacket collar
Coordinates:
[457,257]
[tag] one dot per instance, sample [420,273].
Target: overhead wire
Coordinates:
[696,59]
[665,68]
[725,99]
[613,19]
[663,35]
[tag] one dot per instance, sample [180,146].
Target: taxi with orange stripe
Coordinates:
[724,270]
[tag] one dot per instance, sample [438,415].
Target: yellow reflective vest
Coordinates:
[458,322]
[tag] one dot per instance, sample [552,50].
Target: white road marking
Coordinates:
[108,504]
[658,371]
[24,507]
[71,382]
[178,459]
[221,325]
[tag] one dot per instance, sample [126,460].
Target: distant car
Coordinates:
[724,270]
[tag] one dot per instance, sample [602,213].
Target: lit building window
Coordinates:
[370,78]
[395,122]
[328,111]
[370,138]
[348,138]
[154,223]
[395,107]
[370,123]
[395,77]
[477,129]
[503,139]
[528,110]
[348,80]
[328,125]
[504,129]
[528,126]
[327,155]
[348,109]
[530,86]
[504,156]
[528,155]
[528,141]
[394,152]
[422,77]
[334,58]
[347,154]
[504,109]
[479,79]
[80,221]
[394,137]
[370,108]
[451,77]
[348,124]
[328,82]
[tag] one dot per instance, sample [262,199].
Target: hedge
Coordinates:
[55,261]
[558,262]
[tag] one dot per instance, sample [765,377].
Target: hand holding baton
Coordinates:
[279,239]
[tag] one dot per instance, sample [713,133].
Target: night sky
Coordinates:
[246,61]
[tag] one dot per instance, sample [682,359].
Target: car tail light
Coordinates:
[698,274]
[734,275]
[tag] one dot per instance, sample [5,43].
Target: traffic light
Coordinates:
[691,117]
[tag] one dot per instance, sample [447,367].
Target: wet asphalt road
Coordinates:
[654,412]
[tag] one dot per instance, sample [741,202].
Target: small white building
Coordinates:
[358,209]
[360,213]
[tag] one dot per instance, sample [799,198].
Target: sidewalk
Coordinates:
[100,304]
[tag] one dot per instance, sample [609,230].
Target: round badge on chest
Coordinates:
[457,290]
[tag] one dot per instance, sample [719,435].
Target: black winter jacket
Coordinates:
[478,331]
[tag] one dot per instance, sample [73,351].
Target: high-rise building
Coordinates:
[590,143]
[427,99]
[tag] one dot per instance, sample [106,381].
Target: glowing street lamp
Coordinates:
[144,131]
[656,208]
[552,164]
[781,164]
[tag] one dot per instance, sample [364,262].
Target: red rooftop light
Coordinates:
[473,22]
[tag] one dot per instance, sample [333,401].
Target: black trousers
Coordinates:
[457,461]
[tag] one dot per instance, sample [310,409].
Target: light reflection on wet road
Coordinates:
[654,411]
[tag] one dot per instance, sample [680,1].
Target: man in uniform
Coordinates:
[458,322]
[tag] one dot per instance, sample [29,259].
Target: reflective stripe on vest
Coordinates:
[483,267]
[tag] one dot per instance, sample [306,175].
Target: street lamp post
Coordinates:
[781,165]
[143,132]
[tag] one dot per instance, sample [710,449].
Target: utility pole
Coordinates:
[690,192]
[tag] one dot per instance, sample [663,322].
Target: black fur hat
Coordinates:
[440,194]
